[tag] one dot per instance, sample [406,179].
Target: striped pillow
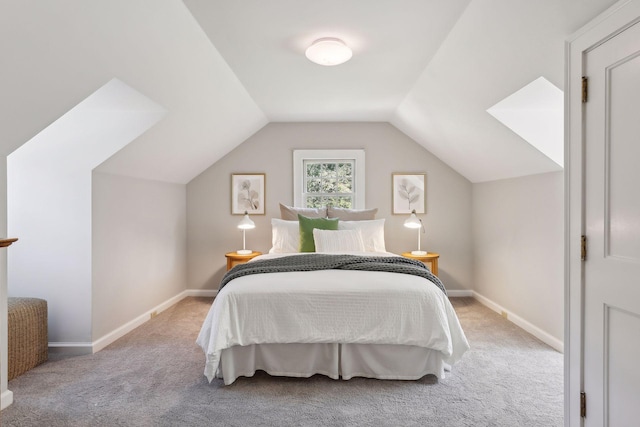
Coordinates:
[338,240]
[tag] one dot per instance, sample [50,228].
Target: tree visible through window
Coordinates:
[328,183]
[328,178]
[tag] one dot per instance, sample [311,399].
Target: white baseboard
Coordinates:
[130,326]
[519,321]
[80,348]
[69,349]
[6,399]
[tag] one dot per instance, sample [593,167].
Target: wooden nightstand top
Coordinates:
[236,255]
[428,256]
[431,259]
[234,258]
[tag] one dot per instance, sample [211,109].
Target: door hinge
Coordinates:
[585,88]
[583,248]
[583,404]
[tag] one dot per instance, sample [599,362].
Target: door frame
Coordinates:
[614,20]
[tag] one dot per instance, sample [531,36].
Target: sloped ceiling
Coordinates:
[56,53]
[223,69]
[496,48]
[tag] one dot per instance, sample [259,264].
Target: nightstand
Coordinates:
[430,259]
[234,258]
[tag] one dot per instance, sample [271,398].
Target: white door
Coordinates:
[612,226]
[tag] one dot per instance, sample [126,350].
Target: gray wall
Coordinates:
[211,229]
[138,248]
[518,247]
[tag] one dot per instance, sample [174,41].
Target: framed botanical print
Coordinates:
[409,193]
[248,193]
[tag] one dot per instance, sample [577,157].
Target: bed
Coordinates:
[357,318]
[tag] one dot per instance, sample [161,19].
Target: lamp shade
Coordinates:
[413,221]
[246,223]
[328,51]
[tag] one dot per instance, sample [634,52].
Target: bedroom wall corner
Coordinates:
[211,229]
[138,248]
[518,243]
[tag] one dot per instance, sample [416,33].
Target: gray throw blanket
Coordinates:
[315,261]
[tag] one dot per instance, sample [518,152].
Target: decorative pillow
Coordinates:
[307,225]
[372,233]
[290,213]
[285,236]
[351,214]
[338,240]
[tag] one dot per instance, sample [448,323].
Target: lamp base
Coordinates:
[419,253]
[244,251]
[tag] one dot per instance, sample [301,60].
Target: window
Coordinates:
[328,178]
[328,183]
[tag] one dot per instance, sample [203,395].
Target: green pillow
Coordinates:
[307,244]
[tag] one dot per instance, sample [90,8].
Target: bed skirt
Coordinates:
[382,361]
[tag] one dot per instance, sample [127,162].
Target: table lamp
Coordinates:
[414,222]
[244,225]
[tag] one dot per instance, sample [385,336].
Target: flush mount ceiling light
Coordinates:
[328,51]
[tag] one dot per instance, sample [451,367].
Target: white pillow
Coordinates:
[372,233]
[338,240]
[285,236]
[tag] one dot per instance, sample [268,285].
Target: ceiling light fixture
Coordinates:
[328,51]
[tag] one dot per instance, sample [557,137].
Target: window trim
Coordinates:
[299,156]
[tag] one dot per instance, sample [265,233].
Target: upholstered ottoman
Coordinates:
[28,338]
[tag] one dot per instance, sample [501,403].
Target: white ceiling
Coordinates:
[223,69]
[430,67]
[264,43]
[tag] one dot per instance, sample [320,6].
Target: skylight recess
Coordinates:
[536,114]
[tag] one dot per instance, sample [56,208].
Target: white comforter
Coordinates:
[331,306]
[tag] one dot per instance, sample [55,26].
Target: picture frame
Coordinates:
[248,193]
[408,192]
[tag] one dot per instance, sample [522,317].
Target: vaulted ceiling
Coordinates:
[223,69]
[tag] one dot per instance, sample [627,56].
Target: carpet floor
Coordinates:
[153,377]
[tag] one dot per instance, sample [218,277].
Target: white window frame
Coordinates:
[300,156]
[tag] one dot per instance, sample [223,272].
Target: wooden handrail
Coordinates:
[7,242]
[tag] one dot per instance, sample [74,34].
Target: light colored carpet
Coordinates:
[153,377]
